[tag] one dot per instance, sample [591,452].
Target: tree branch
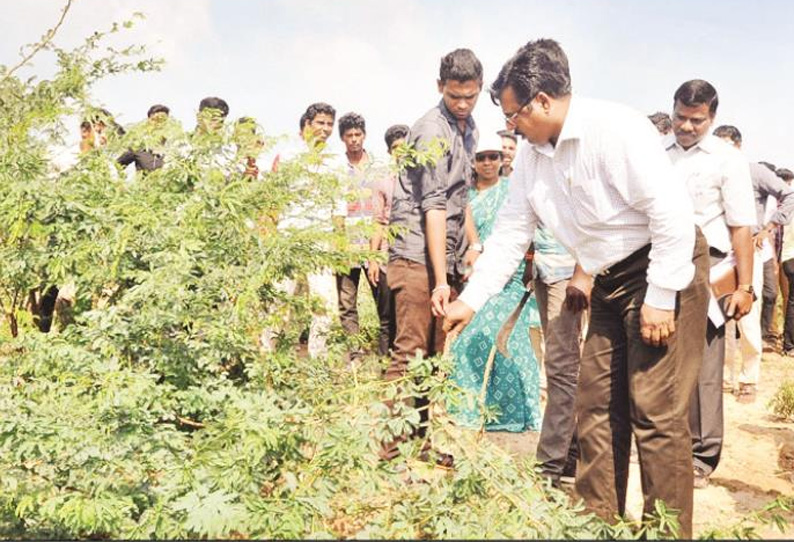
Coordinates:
[46,39]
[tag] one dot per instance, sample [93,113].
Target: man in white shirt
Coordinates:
[316,126]
[595,175]
[718,179]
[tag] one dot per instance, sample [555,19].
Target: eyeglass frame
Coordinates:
[511,119]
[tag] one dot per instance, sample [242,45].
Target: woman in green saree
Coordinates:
[513,391]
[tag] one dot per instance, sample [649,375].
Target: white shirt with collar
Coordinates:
[306,212]
[605,191]
[717,176]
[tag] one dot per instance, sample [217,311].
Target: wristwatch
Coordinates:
[476,247]
[746,288]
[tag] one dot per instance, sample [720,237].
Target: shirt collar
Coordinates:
[709,144]
[453,121]
[572,128]
[354,168]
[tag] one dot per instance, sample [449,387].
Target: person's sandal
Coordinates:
[746,393]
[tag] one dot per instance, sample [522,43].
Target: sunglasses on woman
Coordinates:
[492,156]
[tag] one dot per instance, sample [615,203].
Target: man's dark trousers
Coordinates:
[627,386]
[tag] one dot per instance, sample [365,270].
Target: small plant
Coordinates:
[782,403]
[776,513]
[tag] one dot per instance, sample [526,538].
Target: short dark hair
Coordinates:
[99,114]
[104,116]
[350,121]
[316,109]
[460,65]
[158,108]
[662,121]
[395,132]
[213,102]
[508,133]
[769,166]
[731,132]
[538,66]
[785,174]
[697,92]
[246,122]
[304,120]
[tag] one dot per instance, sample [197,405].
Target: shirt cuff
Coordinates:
[660,298]
[472,300]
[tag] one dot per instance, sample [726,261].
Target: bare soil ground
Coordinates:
[749,475]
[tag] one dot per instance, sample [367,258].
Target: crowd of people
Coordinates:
[635,258]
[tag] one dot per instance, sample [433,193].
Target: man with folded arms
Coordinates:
[595,175]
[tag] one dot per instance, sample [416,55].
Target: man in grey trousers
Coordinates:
[562,338]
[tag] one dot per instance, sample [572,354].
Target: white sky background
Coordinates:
[271,58]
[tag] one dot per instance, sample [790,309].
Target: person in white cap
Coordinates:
[513,389]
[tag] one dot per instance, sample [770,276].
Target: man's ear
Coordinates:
[440,86]
[544,102]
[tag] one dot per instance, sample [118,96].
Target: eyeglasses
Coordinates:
[492,156]
[511,119]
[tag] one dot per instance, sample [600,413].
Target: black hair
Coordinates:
[460,65]
[248,123]
[395,132]
[508,133]
[769,166]
[662,121]
[158,108]
[538,66]
[105,117]
[731,132]
[785,174]
[316,109]
[304,120]
[350,121]
[213,102]
[99,115]
[697,92]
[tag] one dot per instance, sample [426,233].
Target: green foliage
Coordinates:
[152,412]
[782,403]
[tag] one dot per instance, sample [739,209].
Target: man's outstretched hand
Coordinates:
[459,314]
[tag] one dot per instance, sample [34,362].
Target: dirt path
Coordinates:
[748,477]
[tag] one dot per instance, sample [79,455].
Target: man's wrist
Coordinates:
[660,298]
[476,247]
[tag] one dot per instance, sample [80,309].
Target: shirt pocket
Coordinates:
[703,192]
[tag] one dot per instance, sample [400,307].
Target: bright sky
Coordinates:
[271,58]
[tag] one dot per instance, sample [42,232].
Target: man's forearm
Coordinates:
[436,234]
[377,237]
[470,227]
[742,243]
